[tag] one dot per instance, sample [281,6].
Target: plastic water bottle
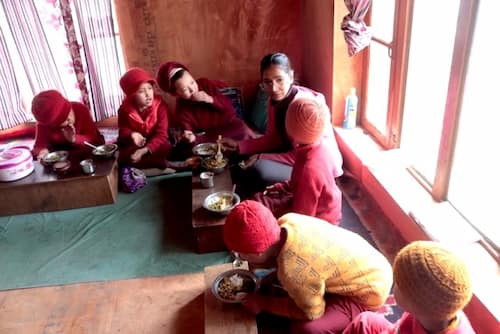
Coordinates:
[351,110]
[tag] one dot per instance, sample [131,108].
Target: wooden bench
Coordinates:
[223,318]
[207,225]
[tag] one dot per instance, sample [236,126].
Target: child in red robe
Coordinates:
[311,189]
[200,106]
[143,123]
[61,124]
[432,285]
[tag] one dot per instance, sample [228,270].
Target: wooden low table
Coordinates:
[207,225]
[43,190]
[225,318]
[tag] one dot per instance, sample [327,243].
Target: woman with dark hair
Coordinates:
[270,158]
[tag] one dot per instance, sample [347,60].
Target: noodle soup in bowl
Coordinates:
[231,286]
[214,165]
[221,202]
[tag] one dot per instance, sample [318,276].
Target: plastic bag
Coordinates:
[131,179]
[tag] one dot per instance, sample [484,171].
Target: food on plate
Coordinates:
[232,287]
[55,156]
[214,163]
[205,149]
[221,203]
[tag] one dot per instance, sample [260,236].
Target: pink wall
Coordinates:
[218,39]
[317,46]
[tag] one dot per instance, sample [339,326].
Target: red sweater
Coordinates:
[156,137]
[275,144]
[52,138]
[312,183]
[201,116]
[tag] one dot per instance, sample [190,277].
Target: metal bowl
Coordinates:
[105,151]
[221,202]
[205,149]
[224,289]
[53,157]
[61,167]
[212,165]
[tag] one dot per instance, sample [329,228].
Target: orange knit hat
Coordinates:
[132,80]
[250,228]
[305,120]
[432,278]
[50,108]
[166,72]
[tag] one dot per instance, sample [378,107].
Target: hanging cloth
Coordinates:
[356,34]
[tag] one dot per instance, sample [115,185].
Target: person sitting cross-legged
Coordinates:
[329,274]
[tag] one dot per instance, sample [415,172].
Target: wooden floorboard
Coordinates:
[171,304]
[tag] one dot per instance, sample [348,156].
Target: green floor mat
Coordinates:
[147,233]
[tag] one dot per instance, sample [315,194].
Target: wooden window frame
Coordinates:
[399,49]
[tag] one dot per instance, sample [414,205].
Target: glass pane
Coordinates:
[431,50]
[382,19]
[378,86]
[475,178]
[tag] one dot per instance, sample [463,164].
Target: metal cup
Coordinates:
[207,179]
[88,166]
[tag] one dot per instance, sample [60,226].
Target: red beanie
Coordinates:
[50,108]
[133,78]
[166,72]
[250,228]
[306,120]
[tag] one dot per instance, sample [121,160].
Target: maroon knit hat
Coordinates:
[306,120]
[50,108]
[250,228]
[133,78]
[166,72]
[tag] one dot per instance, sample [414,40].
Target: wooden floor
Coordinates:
[171,304]
[167,305]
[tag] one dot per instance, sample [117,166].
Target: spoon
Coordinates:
[218,156]
[89,144]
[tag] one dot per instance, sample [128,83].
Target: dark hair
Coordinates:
[277,58]
[176,77]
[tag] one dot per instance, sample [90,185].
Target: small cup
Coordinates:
[207,179]
[88,166]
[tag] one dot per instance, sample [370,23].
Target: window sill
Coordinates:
[438,221]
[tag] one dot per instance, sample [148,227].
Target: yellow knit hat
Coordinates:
[432,278]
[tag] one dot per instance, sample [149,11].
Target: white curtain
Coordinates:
[52,45]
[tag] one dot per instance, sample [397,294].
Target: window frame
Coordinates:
[399,50]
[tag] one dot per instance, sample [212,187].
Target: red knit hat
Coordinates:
[133,78]
[166,72]
[306,120]
[250,228]
[50,108]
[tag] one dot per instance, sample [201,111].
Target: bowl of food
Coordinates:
[214,165]
[53,157]
[232,285]
[221,202]
[105,151]
[205,149]
[61,167]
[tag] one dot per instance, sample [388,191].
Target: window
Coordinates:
[428,93]
[64,46]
